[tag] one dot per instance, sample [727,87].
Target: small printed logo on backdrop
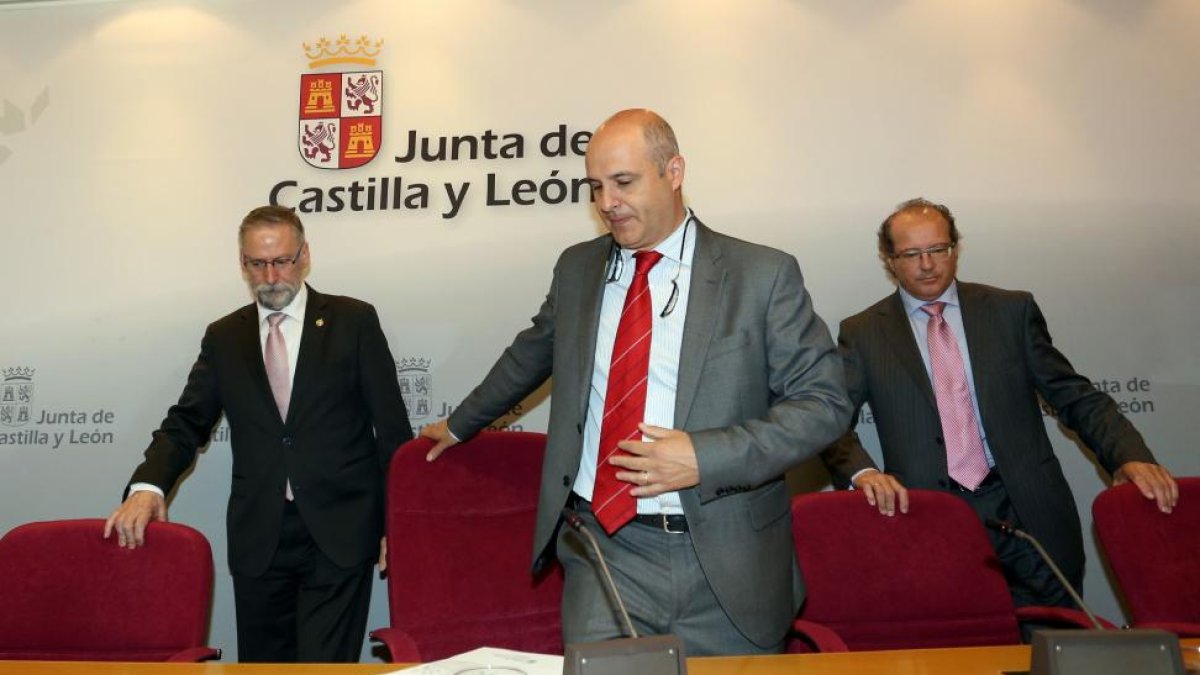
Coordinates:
[16,396]
[341,113]
[416,386]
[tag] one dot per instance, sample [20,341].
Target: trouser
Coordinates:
[304,608]
[661,582]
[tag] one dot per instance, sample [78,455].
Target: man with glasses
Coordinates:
[308,386]
[952,372]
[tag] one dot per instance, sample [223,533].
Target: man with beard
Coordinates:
[308,386]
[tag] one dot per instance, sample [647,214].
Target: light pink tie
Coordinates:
[964,448]
[276,359]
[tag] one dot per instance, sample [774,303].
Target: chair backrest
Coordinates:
[1154,556]
[928,578]
[68,594]
[460,533]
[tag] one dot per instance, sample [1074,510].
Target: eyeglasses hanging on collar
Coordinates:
[616,267]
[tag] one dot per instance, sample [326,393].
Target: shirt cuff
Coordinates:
[146,487]
[859,473]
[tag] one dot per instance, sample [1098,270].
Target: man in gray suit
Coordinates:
[742,383]
[1003,360]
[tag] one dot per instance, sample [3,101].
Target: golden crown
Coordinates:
[361,51]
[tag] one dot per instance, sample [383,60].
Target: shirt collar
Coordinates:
[912,304]
[670,247]
[294,309]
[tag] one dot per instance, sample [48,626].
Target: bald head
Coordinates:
[636,174]
[658,136]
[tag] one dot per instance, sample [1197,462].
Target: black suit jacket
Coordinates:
[345,419]
[1013,360]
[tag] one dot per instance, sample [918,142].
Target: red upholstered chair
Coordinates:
[67,594]
[925,579]
[1154,556]
[460,536]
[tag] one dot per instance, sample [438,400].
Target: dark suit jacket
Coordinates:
[760,389]
[345,419]
[1013,360]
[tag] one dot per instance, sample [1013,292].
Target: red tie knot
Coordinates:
[933,308]
[645,261]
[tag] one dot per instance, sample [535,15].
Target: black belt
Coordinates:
[672,523]
[989,480]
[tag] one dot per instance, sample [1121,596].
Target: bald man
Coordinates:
[689,374]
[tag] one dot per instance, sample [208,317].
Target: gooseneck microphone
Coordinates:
[576,524]
[1007,528]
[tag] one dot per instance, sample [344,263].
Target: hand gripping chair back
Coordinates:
[925,579]
[460,534]
[1154,556]
[67,594]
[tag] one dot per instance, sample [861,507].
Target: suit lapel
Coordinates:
[249,338]
[704,306]
[899,336]
[591,296]
[312,345]
[975,314]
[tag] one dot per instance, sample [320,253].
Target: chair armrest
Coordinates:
[1183,629]
[195,655]
[399,645]
[1060,616]
[820,638]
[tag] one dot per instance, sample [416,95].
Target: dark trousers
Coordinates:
[1030,580]
[304,608]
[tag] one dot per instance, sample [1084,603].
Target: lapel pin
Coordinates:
[320,322]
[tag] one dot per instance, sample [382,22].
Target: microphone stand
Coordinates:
[634,655]
[1005,527]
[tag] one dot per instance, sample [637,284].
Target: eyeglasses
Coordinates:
[257,265]
[616,266]
[936,253]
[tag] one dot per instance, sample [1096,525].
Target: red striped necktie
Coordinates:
[625,400]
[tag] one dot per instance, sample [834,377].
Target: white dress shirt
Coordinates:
[666,341]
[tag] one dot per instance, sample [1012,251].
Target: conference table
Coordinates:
[958,661]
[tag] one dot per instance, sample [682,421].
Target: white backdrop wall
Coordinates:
[134,135]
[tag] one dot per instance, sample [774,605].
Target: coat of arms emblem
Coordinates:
[416,386]
[341,114]
[16,397]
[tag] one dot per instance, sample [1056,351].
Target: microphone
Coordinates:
[576,524]
[1099,651]
[654,655]
[1006,528]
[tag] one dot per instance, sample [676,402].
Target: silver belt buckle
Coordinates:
[666,525]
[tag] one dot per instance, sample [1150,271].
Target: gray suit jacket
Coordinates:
[760,389]
[1013,360]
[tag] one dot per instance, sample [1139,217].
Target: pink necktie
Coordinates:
[964,448]
[277,364]
[625,400]
[275,357]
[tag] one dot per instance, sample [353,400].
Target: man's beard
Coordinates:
[276,296]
